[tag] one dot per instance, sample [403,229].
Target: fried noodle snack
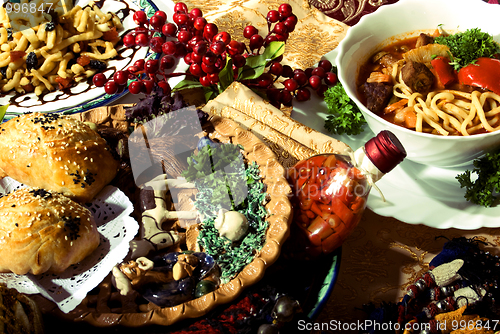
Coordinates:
[58,53]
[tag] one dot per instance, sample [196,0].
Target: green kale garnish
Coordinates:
[233,257]
[466,47]
[482,184]
[345,116]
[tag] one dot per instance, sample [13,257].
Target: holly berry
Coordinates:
[110,87]
[249,31]
[205,50]
[121,77]
[129,40]
[99,80]
[136,87]
[140,18]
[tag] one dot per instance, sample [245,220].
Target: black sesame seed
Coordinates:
[41,192]
[50,26]
[72,226]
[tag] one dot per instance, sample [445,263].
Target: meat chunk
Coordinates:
[377,96]
[424,39]
[418,77]
[385,58]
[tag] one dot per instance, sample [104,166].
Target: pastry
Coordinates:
[43,231]
[19,313]
[56,152]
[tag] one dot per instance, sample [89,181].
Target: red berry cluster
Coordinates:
[206,50]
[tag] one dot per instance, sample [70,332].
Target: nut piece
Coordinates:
[231,224]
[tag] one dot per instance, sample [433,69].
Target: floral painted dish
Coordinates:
[85,95]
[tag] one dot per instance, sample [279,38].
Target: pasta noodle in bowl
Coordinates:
[406,19]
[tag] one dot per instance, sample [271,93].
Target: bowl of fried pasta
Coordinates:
[428,70]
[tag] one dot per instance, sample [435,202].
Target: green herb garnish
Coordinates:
[3,111]
[345,116]
[482,184]
[466,47]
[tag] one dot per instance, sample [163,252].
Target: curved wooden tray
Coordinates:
[101,310]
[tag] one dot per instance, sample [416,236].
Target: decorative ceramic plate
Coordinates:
[323,292]
[279,211]
[85,95]
[414,193]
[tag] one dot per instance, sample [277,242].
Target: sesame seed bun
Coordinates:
[43,231]
[56,152]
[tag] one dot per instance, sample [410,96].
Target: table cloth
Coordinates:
[383,256]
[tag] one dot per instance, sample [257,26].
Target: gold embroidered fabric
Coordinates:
[290,140]
[315,33]
[383,255]
[348,11]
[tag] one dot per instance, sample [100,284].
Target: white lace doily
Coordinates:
[111,210]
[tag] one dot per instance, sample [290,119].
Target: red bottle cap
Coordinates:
[385,151]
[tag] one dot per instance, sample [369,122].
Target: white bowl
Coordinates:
[404,19]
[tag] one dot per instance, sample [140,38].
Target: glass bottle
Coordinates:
[330,192]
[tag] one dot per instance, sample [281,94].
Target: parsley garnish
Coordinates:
[466,47]
[345,116]
[224,180]
[482,184]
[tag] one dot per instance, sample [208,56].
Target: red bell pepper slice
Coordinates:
[341,210]
[445,72]
[315,208]
[484,73]
[321,228]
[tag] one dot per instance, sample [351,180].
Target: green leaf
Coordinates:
[255,65]
[226,75]
[210,93]
[3,111]
[187,84]
[344,115]
[482,184]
